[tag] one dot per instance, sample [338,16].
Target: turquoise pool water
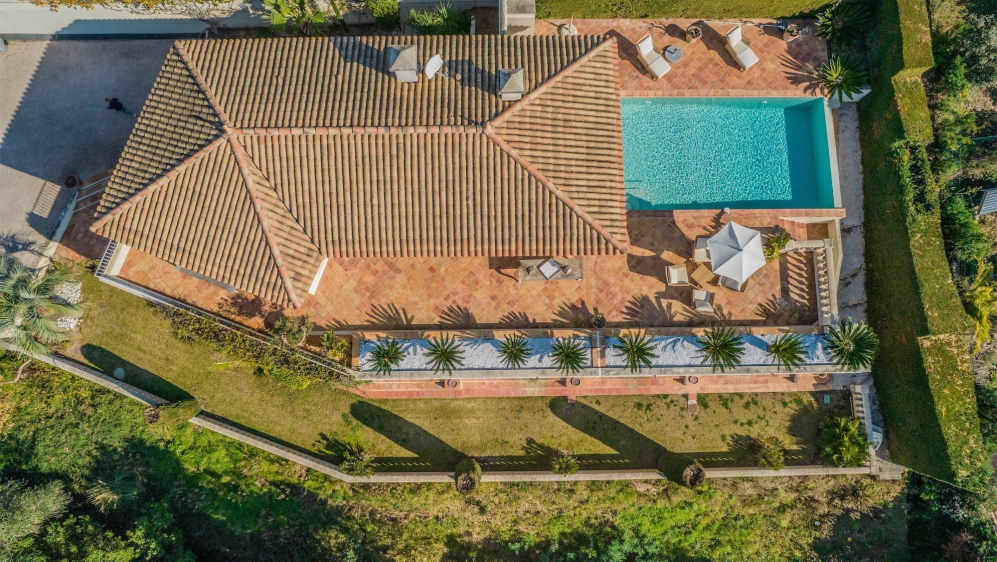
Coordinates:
[710,153]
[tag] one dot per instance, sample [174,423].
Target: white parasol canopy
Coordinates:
[736,252]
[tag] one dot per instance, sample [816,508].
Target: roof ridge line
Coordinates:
[157,183]
[201,84]
[359,130]
[242,161]
[556,191]
[547,84]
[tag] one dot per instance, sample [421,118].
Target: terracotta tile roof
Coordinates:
[302,149]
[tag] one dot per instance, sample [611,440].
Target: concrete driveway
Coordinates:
[54,122]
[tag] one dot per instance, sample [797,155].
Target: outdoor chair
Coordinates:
[702,301]
[702,250]
[677,275]
[740,49]
[651,58]
[732,284]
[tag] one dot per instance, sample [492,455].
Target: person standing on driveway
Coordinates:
[113,103]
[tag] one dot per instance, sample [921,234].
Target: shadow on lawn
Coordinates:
[431,452]
[107,362]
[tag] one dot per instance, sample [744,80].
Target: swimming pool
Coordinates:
[742,153]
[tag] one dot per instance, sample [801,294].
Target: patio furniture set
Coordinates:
[733,254]
[658,64]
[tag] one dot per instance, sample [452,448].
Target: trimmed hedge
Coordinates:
[706,9]
[922,372]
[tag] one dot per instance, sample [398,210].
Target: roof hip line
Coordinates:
[557,192]
[261,214]
[166,177]
[201,84]
[360,130]
[544,86]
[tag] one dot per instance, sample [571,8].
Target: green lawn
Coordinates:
[508,433]
[704,9]
[232,502]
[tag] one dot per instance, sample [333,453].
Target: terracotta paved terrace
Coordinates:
[707,69]
[395,293]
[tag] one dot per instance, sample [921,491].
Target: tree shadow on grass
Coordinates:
[431,452]
[107,362]
[633,449]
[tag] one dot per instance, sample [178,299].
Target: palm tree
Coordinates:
[386,357]
[563,462]
[568,355]
[843,23]
[853,345]
[981,301]
[28,306]
[444,354]
[294,17]
[113,487]
[788,350]
[843,442]
[637,351]
[722,347]
[444,20]
[842,76]
[514,350]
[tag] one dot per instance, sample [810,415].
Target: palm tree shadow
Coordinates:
[389,317]
[633,450]
[802,73]
[431,452]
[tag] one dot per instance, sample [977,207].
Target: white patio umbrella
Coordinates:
[736,252]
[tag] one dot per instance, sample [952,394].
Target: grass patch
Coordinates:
[503,433]
[705,9]
[232,502]
[910,288]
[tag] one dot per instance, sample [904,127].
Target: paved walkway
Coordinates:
[602,386]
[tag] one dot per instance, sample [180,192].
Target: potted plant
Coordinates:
[568,355]
[722,347]
[842,76]
[337,349]
[514,350]
[444,354]
[853,345]
[788,350]
[693,33]
[775,245]
[637,351]
[386,357]
[598,321]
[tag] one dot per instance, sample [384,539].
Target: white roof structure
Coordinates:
[736,252]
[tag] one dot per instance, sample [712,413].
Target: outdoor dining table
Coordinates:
[703,275]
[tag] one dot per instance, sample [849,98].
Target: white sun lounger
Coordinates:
[740,49]
[651,58]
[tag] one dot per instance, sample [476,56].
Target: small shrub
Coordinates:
[852,345]
[919,188]
[285,377]
[514,350]
[965,239]
[563,462]
[694,476]
[337,349]
[637,351]
[293,17]
[568,354]
[444,354]
[386,356]
[444,20]
[176,412]
[981,302]
[843,442]
[843,23]
[978,47]
[385,14]
[467,476]
[290,330]
[842,76]
[151,415]
[774,246]
[357,460]
[722,347]
[770,452]
[788,351]
[113,488]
